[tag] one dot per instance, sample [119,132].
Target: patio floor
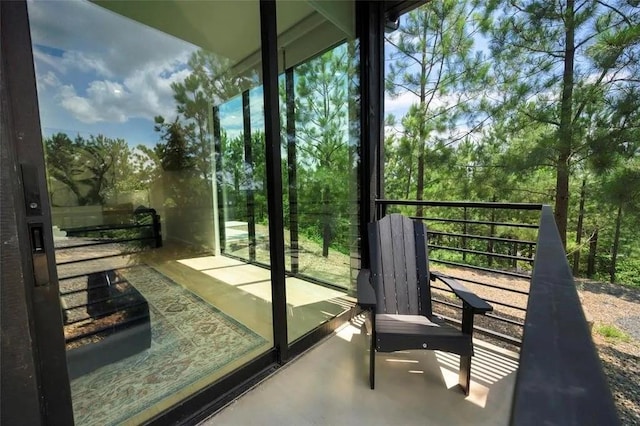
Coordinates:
[329,385]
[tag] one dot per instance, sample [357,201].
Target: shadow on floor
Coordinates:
[329,386]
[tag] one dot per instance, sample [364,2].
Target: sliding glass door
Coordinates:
[171,213]
[319,104]
[151,180]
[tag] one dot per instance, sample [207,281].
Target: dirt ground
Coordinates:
[609,309]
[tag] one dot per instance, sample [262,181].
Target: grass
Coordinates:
[611,332]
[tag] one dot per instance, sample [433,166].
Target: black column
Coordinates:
[292,169]
[269,37]
[369,29]
[249,167]
[217,149]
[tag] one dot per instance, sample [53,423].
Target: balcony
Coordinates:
[535,362]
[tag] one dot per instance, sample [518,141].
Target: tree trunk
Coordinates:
[576,254]
[464,232]
[614,249]
[326,222]
[422,137]
[420,187]
[593,247]
[408,188]
[565,132]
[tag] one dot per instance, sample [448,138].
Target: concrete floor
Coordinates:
[329,385]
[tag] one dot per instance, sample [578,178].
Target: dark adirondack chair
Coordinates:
[397,291]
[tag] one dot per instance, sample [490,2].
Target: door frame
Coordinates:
[23,140]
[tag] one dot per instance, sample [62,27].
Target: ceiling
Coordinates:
[232,28]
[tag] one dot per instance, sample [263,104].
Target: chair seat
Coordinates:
[399,332]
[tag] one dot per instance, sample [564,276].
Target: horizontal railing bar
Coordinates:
[492,316]
[448,290]
[477,222]
[70,292]
[84,274]
[99,228]
[507,305]
[105,328]
[89,259]
[474,204]
[104,242]
[513,290]
[480,268]
[101,300]
[502,319]
[481,253]
[107,313]
[502,337]
[444,302]
[481,237]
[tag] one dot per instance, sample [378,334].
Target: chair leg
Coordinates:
[464,377]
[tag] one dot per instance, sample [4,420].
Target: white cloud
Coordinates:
[47,80]
[105,68]
[399,105]
[94,38]
[85,62]
[80,107]
[144,94]
[45,59]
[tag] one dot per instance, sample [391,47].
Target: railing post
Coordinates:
[217,147]
[157,230]
[492,232]
[465,232]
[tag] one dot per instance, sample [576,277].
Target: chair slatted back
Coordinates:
[399,266]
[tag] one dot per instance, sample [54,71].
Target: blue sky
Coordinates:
[100,73]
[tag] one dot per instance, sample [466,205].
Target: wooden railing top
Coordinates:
[560,379]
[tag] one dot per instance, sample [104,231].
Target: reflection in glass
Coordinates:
[320,142]
[148,176]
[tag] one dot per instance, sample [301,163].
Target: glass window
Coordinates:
[320,141]
[150,181]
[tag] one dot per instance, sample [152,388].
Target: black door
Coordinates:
[35,386]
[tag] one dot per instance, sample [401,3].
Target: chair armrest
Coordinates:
[478,305]
[366,294]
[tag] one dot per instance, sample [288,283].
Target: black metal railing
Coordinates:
[141,229]
[560,379]
[86,258]
[487,246]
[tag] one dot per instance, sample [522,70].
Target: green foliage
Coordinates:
[563,68]
[612,332]
[324,157]
[91,169]
[432,58]
[556,102]
[628,272]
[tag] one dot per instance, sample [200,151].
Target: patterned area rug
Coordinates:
[190,340]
